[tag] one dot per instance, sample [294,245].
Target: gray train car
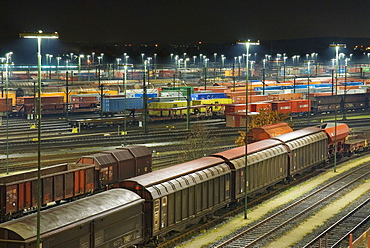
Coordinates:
[308,147]
[110,219]
[181,194]
[267,165]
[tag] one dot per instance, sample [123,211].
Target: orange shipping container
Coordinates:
[260,106]
[251,98]
[234,108]
[289,96]
[299,106]
[349,87]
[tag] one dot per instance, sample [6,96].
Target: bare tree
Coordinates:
[199,143]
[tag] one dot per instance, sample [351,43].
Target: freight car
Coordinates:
[331,103]
[93,173]
[268,131]
[182,194]
[18,192]
[109,219]
[177,196]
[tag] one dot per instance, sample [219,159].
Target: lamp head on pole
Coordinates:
[39,34]
[248,42]
[338,45]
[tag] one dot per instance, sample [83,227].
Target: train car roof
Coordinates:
[175,171]
[251,148]
[137,151]
[70,214]
[297,134]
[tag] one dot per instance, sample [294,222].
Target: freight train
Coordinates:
[91,173]
[202,104]
[149,206]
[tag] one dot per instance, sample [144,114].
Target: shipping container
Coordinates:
[281,106]
[115,105]
[203,96]
[260,106]
[84,100]
[234,108]
[5,106]
[216,104]
[283,97]
[301,106]
[163,108]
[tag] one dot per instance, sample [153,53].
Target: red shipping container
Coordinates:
[84,101]
[234,108]
[299,106]
[282,106]
[4,107]
[260,106]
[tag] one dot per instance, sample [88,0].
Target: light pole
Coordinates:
[308,89]
[118,62]
[93,57]
[247,43]
[337,46]
[88,61]
[155,66]
[102,56]
[58,63]
[145,101]
[79,66]
[39,36]
[345,88]
[125,102]
[8,61]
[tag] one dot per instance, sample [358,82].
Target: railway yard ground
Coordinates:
[303,230]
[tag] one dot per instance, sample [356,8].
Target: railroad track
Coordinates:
[274,225]
[100,140]
[337,235]
[68,148]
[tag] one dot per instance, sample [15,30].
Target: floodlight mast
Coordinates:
[247,45]
[39,35]
[337,46]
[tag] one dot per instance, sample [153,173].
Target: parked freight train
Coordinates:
[150,206]
[92,173]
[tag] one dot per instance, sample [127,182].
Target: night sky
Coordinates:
[165,21]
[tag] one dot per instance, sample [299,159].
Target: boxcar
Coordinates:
[181,194]
[143,158]
[116,165]
[19,191]
[307,147]
[110,219]
[267,165]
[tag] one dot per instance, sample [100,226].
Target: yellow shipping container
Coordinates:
[212,101]
[164,105]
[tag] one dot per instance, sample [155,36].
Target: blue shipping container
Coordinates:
[211,95]
[149,95]
[118,104]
